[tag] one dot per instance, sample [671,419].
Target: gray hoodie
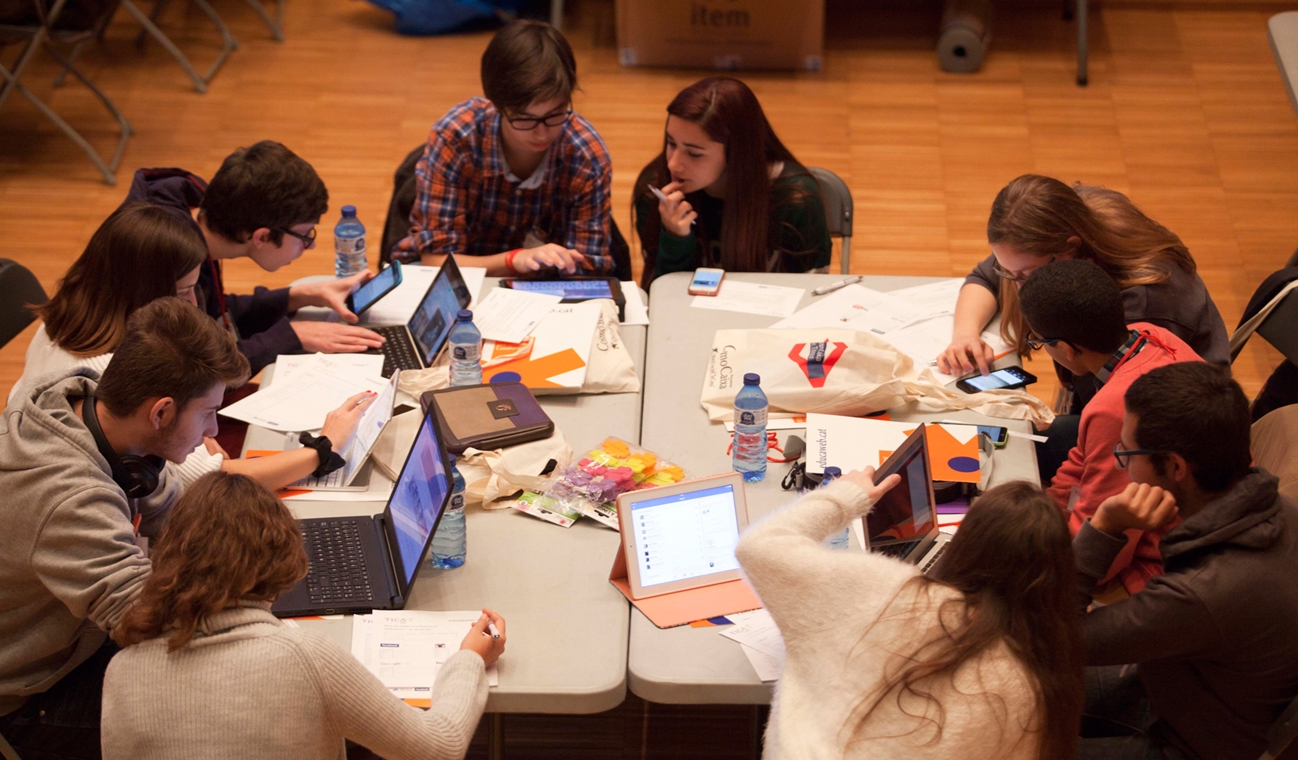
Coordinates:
[69,565]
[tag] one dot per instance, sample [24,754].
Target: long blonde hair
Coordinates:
[1038,216]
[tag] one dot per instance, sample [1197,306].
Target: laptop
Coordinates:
[360,564]
[903,524]
[416,344]
[355,476]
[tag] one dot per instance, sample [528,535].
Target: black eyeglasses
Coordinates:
[1123,456]
[528,123]
[308,240]
[1036,344]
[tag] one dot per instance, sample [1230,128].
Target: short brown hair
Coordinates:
[228,538]
[169,349]
[264,185]
[525,62]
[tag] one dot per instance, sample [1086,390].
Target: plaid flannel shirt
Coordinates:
[464,203]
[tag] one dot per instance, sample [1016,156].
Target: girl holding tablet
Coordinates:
[208,671]
[981,658]
[725,192]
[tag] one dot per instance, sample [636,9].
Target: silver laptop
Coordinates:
[355,476]
[904,522]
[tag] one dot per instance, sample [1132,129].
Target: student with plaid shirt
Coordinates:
[516,179]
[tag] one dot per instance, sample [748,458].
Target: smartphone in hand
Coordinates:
[1009,377]
[380,285]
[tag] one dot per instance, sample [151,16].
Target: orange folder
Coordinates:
[682,607]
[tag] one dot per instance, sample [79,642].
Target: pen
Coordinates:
[830,288]
[495,634]
[663,196]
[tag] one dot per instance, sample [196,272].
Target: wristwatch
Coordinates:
[324,448]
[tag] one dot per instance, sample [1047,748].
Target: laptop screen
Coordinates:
[686,536]
[432,321]
[369,427]
[906,512]
[417,500]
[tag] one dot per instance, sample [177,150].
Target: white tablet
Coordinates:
[682,536]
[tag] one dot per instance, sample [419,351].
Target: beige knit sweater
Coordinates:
[844,615]
[250,687]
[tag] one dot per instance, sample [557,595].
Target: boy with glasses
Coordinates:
[515,179]
[1074,312]
[262,204]
[1212,638]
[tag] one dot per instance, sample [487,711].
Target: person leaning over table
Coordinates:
[139,254]
[981,659]
[735,197]
[206,671]
[516,179]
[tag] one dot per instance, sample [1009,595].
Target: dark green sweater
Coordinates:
[799,236]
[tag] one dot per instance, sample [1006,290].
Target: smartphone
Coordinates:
[380,285]
[706,282]
[1009,377]
[998,435]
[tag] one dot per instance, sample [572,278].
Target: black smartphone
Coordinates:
[1009,377]
[380,285]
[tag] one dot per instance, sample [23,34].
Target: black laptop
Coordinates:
[415,344]
[359,564]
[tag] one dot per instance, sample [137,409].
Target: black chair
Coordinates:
[19,290]
[838,210]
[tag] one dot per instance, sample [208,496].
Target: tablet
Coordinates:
[682,536]
[573,290]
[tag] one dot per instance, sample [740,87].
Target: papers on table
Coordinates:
[763,645]
[405,649]
[555,355]
[509,315]
[360,368]
[752,298]
[397,307]
[635,312]
[854,307]
[933,299]
[853,443]
[301,399]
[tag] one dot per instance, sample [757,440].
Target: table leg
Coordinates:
[496,738]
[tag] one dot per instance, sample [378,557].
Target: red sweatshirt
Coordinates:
[1091,469]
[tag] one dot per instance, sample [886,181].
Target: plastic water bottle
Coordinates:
[349,244]
[466,350]
[839,540]
[448,543]
[748,455]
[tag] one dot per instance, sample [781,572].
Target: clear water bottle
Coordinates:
[748,455]
[839,540]
[466,350]
[448,543]
[349,244]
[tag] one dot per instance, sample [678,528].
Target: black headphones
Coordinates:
[137,476]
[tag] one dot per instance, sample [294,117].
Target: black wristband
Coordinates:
[329,459]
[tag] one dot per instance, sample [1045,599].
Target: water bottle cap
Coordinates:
[833,472]
[752,378]
[464,315]
[349,211]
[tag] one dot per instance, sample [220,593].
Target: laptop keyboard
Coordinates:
[898,550]
[337,573]
[398,353]
[937,555]
[333,479]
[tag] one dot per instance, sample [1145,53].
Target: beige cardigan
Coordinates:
[248,686]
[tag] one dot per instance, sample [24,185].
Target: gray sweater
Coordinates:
[249,686]
[69,566]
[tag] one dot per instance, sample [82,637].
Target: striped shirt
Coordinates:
[468,202]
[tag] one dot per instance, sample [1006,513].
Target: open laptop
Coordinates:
[360,564]
[415,344]
[355,476]
[903,524]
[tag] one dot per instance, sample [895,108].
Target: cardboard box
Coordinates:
[722,34]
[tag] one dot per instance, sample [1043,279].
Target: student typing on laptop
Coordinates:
[980,658]
[203,626]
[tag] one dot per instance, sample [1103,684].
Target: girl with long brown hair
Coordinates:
[732,195]
[982,658]
[208,671]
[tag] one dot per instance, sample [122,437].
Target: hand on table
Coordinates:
[333,338]
[964,355]
[479,639]
[865,480]
[677,214]
[340,424]
[529,260]
[1140,506]
[331,294]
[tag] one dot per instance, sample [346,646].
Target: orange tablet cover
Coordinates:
[681,607]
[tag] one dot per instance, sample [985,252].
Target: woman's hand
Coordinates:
[481,641]
[965,354]
[864,479]
[340,424]
[676,212]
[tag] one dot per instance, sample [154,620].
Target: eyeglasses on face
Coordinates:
[528,123]
[1037,343]
[1123,456]
[1019,277]
[308,240]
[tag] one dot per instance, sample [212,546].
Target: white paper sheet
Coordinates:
[300,401]
[635,312]
[933,299]
[853,443]
[397,307]
[761,641]
[854,307]
[768,668]
[406,648]
[356,367]
[509,315]
[752,298]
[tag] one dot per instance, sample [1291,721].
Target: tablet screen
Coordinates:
[686,535]
[566,288]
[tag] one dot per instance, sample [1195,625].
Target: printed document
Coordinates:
[406,648]
[855,307]
[356,367]
[509,316]
[761,642]
[752,298]
[300,401]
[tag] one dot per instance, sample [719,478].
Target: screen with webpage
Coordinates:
[418,497]
[567,288]
[685,536]
[706,279]
[433,319]
[372,423]
[904,512]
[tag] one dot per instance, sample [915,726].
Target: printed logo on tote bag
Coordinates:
[818,360]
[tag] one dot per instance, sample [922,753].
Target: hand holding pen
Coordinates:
[486,637]
[677,214]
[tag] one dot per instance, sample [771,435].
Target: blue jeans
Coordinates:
[1117,723]
[63,722]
